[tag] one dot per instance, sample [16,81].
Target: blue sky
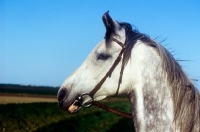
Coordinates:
[43,41]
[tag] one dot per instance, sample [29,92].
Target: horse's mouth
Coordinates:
[74,108]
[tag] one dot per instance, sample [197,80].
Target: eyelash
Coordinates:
[103,56]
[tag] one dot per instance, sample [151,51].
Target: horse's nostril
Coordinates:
[61,95]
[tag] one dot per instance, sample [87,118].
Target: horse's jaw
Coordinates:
[100,98]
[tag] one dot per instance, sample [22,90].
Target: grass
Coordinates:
[48,117]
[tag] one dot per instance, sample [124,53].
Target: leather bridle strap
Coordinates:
[98,86]
[108,74]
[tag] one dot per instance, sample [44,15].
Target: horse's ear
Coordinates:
[111,26]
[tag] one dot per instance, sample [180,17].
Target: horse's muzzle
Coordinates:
[71,107]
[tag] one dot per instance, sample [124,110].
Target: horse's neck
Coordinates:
[150,95]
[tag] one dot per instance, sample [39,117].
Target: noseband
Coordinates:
[80,99]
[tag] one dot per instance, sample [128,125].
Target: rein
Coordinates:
[79,100]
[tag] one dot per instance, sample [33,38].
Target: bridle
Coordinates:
[79,99]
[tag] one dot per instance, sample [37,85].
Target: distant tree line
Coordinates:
[28,89]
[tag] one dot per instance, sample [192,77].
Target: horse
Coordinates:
[162,97]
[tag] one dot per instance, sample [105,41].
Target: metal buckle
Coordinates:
[82,97]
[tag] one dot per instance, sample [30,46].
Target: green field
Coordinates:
[48,117]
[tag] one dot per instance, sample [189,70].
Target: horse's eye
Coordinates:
[103,56]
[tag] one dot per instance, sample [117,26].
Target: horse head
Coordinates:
[93,69]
